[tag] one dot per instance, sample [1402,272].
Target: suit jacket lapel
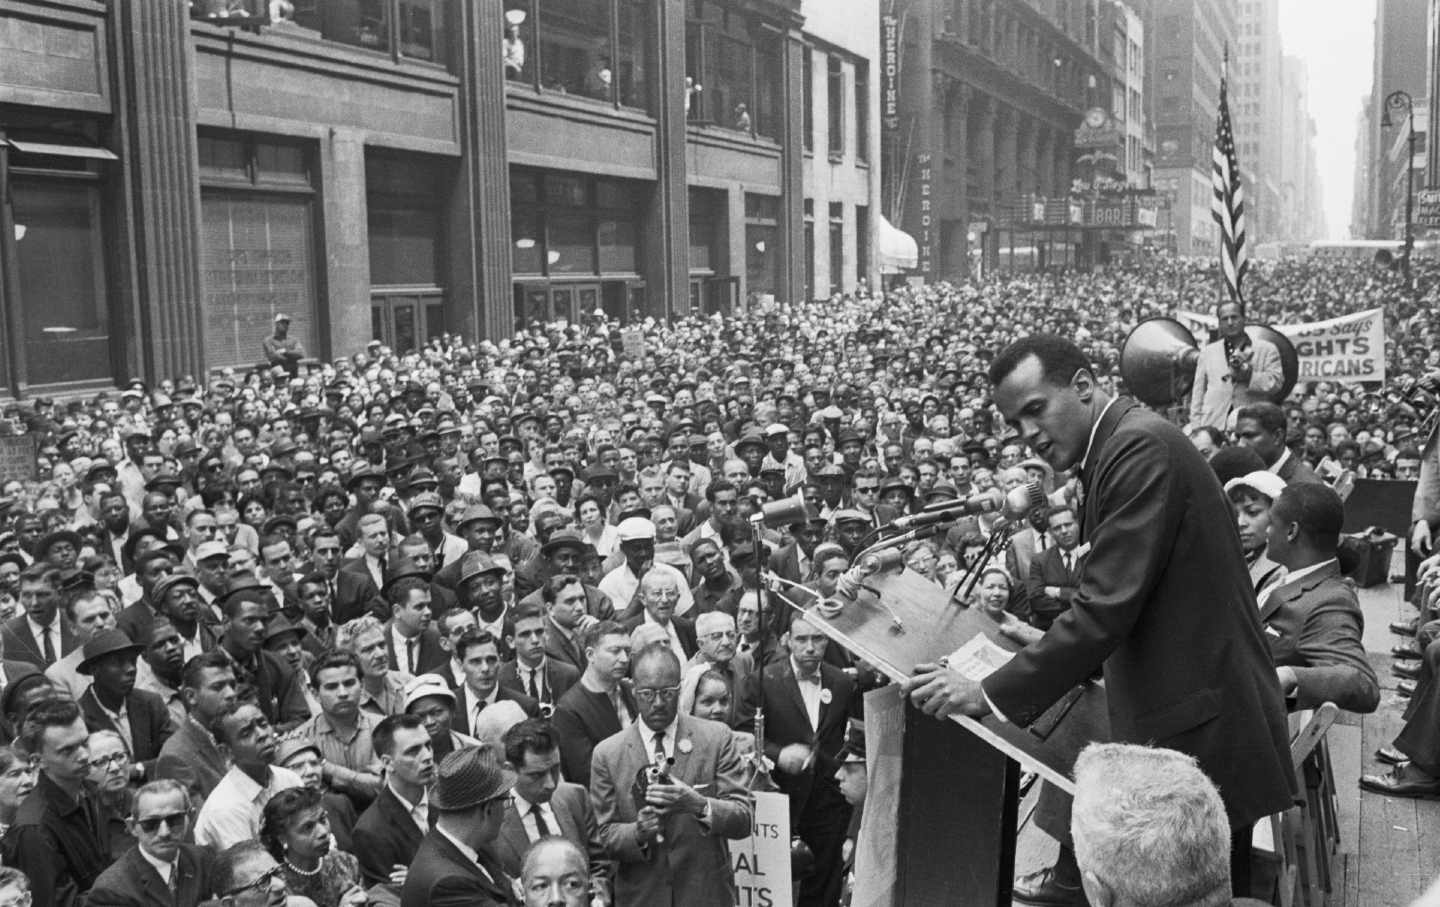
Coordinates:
[1292,590]
[1108,423]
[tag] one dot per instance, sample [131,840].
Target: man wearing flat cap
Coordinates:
[281,349]
[456,865]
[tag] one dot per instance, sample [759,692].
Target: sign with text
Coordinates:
[1427,208]
[925,173]
[17,457]
[632,340]
[1349,349]
[762,861]
[889,72]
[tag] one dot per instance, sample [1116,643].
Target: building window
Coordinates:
[762,253]
[835,95]
[585,48]
[737,64]
[417,29]
[257,244]
[707,230]
[809,78]
[862,110]
[571,224]
[862,242]
[837,247]
[809,249]
[407,301]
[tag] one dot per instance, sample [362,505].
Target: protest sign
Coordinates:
[1349,349]
[762,861]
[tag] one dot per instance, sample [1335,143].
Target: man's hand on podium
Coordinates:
[940,691]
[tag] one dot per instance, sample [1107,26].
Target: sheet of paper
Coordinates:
[978,658]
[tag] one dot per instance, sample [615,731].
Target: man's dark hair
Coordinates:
[1318,511]
[472,638]
[601,630]
[191,674]
[1059,359]
[190,517]
[526,611]
[382,739]
[399,593]
[717,486]
[43,715]
[40,572]
[334,658]
[1270,417]
[1056,511]
[533,735]
[1235,462]
[551,590]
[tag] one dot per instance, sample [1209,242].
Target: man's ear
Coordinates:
[1084,385]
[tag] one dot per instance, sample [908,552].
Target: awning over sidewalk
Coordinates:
[897,249]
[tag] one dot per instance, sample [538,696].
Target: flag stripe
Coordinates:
[1228,204]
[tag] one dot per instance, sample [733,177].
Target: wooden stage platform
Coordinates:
[1389,847]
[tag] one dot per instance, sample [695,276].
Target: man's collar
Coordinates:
[1280,463]
[1094,430]
[164,867]
[800,677]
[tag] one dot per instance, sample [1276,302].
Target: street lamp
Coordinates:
[1397,101]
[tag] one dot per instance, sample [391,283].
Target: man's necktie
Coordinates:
[660,756]
[541,828]
[410,653]
[534,685]
[49,646]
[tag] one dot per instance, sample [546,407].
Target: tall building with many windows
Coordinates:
[174,174]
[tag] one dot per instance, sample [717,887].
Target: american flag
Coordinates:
[1228,205]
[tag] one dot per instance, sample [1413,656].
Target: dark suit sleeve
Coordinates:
[1334,667]
[375,852]
[575,745]
[294,710]
[161,728]
[1139,507]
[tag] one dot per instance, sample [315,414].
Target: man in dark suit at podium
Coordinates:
[808,707]
[1164,605]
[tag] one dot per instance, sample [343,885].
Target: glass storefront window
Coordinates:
[403,205]
[761,254]
[527,245]
[619,242]
[571,247]
[633,72]
[61,264]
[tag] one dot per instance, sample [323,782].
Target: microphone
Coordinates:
[1013,505]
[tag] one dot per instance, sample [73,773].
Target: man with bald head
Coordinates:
[555,874]
[659,593]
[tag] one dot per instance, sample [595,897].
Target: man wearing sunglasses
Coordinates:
[160,861]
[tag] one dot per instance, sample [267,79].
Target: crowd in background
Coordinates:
[296,604]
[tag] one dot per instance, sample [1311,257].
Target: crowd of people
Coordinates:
[479,622]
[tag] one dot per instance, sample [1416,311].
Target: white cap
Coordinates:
[776,428]
[418,687]
[206,550]
[636,528]
[1263,481]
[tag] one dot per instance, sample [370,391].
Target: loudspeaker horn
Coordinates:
[1289,359]
[1158,361]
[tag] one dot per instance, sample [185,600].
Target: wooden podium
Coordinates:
[956,827]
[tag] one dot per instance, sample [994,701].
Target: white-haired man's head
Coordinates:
[715,632]
[1149,829]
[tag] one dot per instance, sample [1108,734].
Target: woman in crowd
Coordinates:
[295,829]
[594,527]
[712,700]
[110,769]
[1253,495]
[17,779]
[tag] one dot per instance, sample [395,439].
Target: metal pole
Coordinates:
[1409,204]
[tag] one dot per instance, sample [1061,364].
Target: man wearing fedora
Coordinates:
[113,704]
[456,864]
[670,841]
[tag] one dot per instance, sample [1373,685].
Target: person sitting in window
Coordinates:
[514,45]
[598,79]
[742,118]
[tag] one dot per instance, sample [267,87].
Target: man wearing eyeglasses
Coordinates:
[160,863]
[716,633]
[669,840]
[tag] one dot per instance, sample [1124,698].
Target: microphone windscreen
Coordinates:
[786,512]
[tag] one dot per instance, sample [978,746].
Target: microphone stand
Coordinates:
[994,544]
[762,779]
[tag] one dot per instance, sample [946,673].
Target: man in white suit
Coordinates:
[1233,371]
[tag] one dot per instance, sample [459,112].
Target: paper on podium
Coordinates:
[930,628]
